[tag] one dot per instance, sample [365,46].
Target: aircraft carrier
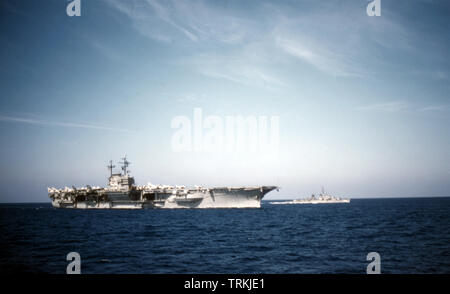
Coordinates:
[122,193]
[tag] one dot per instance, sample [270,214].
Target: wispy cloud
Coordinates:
[335,38]
[59,124]
[195,21]
[390,106]
[165,15]
[319,57]
[158,21]
[238,68]
[399,106]
[277,33]
[442,107]
[199,23]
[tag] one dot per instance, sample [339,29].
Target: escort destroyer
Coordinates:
[323,198]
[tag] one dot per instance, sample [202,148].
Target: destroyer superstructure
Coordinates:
[122,193]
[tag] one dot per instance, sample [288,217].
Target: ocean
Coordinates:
[411,235]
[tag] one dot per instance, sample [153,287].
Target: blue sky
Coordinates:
[363,101]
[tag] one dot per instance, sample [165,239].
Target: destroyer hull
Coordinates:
[211,198]
[312,202]
[323,202]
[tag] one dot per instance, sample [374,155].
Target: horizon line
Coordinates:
[359,198]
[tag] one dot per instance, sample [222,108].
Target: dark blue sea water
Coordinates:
[411,235]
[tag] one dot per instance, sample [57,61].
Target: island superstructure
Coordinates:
[122,193]
[323,198]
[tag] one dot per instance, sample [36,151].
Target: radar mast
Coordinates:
[125,163]
[110,167]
